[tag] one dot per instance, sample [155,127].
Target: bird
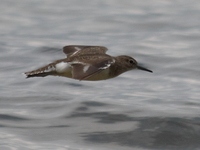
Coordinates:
[90,63]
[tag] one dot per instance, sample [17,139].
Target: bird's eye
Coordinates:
[131,61]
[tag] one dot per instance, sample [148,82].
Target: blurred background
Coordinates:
[137,110]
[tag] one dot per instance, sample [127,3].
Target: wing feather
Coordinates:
[74,50]
[82,71]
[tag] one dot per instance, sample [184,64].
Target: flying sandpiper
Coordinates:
[87,63]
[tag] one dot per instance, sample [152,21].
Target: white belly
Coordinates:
[64,69]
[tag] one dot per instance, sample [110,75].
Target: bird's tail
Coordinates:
[42,72]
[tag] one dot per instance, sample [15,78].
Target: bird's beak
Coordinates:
[142,68]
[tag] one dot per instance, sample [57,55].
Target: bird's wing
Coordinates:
[75,50]
[84,70]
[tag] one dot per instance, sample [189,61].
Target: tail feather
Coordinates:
[42,72]
[30,75]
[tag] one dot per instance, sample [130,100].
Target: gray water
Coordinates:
[137,110]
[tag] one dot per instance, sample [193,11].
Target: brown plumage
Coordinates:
[87,63]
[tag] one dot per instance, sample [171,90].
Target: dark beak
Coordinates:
[141,68]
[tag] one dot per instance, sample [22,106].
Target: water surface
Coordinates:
[137,110]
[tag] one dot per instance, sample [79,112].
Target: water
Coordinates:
[137,110]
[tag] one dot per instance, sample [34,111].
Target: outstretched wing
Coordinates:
[74,50]
[84,70]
